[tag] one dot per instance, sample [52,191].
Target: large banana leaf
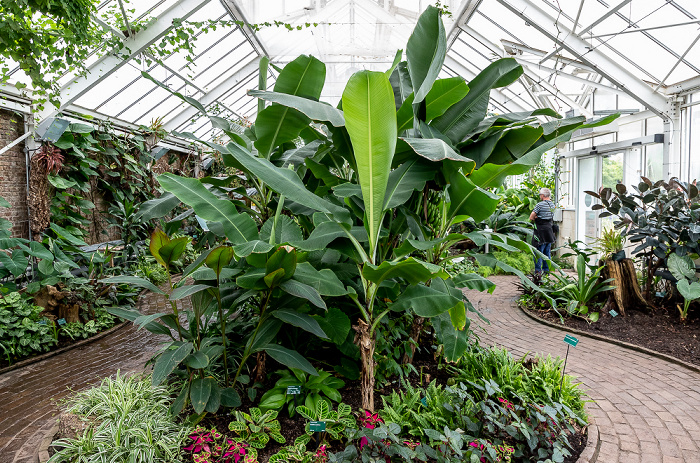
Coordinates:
[409,177]
[444,94]
[401,83]
[412,270]
[466,115]
[493,175]
[285,182]
[315,110]
[425,52]
[426,301]
[434,149]
[239,228]
[370,118]
[466,198]
[277,124]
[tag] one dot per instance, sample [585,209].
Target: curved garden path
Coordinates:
[647,409]
[28,394]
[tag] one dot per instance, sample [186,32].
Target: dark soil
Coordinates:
[660,330]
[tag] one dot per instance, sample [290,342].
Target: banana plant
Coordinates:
[394,136]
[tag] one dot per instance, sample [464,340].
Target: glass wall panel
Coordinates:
[587,217]
[654,162]
[694,141]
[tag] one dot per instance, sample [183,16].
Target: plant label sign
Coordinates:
[61,321]
[570,340]
[613,313]
[42,321]
[293,390]
[424,401]
[317,426]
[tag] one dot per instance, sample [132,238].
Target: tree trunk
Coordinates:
[416,330]
[627,293]
[366,343]
[260,368]
[70,312]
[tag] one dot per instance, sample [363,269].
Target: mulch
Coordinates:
[659,330]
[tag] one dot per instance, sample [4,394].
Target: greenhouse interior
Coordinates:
[338,231]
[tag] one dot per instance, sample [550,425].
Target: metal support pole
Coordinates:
[563,371]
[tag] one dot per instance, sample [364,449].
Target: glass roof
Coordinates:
[654,41]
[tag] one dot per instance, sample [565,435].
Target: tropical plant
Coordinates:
[336,421]
[311,390]
[662,218]
[578,294]
[129,420]
[348,186]
[610,243]
[297,452]
[688,284]
[210,446]
[23,331]
[257,428]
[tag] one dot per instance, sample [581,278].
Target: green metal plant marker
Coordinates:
[317,426]
[570,340]
[293,390]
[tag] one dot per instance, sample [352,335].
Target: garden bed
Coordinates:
[660,331]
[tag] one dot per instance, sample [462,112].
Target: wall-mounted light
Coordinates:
[51,129]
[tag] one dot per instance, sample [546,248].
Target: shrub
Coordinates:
[23,332]
[522,261]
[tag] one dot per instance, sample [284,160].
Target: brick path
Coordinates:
[27,395]
[647,409]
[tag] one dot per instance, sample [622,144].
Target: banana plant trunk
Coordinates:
[260,368]
[366,342]
[416,331]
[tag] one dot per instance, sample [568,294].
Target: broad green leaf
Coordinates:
[133,281]
[324,281]
[473,281]
[401,83]
[443,94]
[173,250]
[285,259]
[425,52]
[458,316]
[15,263]
[219,258]
[298,289]
[230,398]
[287,230]
[285,182]
[455,341]
[200,390]
[681,267]
[425,301]
[239,228]
[197,360]
[690,292]
[157,207]
[39,251]
[314,110]
[370,118]
[466,198]
[410,269]
[187,290]
[434,149]
[409,177]
[143,320]
[267,333]
[327,232]
[300,320]
[198,262]
[66,235]
[61,183]
[168,360]
[303,77]
[335,324]
[252,247]
[466,114]
[158,240]
[4,203]
[290,358]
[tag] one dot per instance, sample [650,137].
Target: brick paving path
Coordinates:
[647,409]
[27,395]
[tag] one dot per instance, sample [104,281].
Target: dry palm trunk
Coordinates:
[39,203]
[260,368]
[366,342]
[416,331]
[627,293]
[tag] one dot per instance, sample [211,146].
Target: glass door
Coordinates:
[586,217]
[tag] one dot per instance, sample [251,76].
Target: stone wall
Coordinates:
[13,174]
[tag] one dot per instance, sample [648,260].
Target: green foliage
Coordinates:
[521,261]
[662,218]
[313,388]
[337,421]
[151,271]
[257,428]
[21,333]
[101,321]
[688,285]
[535,380]
[129,420]
[417,409]
[610,242]
[577,295]
[295,453]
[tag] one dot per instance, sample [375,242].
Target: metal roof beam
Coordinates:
[603,65]
[231,6]
[132,46]
[566,75]
[212,96]
[556,93]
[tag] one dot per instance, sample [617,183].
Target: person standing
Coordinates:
[543,215]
